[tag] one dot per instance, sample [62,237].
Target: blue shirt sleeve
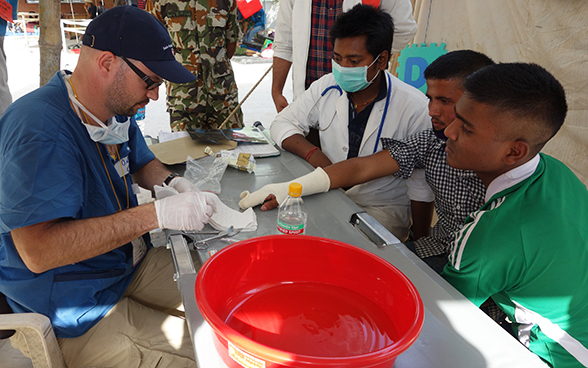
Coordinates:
[41,177]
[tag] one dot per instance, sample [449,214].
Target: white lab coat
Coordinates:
[407,114]
[292,38]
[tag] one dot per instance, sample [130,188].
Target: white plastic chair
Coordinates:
[38,333]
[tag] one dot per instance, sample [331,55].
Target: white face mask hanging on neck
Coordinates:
[114,133]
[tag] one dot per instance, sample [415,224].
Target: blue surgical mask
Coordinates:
[352,79]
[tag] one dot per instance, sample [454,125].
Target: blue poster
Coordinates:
[413,61]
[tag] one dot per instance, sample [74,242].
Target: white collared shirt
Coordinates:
[512,177]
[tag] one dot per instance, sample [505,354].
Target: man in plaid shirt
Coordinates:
[457,192]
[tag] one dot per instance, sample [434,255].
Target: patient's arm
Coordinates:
[359,170]
[343,174]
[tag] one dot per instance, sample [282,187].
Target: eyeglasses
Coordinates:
[151,85]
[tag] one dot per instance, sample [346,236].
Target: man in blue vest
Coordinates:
[74,242]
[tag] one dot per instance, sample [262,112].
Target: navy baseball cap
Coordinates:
[135,34]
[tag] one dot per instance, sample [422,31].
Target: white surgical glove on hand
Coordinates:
[185,211]
[182,185]
[315,182]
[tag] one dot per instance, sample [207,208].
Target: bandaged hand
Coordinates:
[183,185]
[316,182]
[185,211]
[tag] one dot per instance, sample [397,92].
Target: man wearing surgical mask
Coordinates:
[74,243]
[354,107]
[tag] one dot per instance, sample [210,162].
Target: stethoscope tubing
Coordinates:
[335,86]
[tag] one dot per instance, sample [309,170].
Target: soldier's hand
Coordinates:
[280,102]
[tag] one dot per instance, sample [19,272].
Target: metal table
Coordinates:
[455,332]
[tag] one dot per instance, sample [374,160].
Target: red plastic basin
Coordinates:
[304,301]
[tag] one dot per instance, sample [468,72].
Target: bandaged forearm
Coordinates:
[315,182]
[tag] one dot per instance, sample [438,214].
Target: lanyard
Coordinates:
[104,163]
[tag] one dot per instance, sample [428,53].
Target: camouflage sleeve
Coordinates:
[154,9]
[233,30]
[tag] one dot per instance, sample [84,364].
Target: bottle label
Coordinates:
[290,229]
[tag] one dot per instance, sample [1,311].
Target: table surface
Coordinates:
[455,332]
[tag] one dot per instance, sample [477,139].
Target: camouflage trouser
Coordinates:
[206,102]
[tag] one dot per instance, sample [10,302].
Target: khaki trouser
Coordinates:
[144,329]
[395,218]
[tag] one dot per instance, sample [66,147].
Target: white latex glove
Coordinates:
[185,211]
[183,185]
[315,182]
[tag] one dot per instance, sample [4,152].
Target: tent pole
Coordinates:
[49,39]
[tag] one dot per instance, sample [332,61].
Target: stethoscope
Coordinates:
[336,87]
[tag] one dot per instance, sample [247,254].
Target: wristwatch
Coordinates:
[170,178]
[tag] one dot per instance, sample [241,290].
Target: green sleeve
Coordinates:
[483,259]
[233,30]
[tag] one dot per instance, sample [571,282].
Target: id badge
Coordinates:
[122,166]
[139,250]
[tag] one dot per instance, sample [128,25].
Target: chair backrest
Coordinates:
[5,309]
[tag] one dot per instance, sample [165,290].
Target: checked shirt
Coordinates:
[457,192]
[320,51]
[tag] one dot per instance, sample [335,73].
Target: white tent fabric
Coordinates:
[551,33]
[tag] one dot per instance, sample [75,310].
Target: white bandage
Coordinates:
[315,182]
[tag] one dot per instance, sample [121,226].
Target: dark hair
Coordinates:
[527,91]
[457,64]
[365,20]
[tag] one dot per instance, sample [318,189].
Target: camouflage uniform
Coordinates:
[200,31]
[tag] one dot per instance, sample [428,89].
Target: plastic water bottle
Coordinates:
[140,115]
[292,213]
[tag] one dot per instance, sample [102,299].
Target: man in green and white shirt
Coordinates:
[527,247]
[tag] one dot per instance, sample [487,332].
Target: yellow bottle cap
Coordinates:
[295,189]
